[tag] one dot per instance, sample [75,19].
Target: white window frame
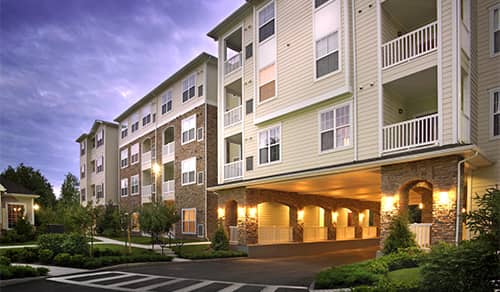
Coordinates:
[132,162]
[124,159]
[339,36]
[334,108]
[132,178]
[123,129]
[492,114]
[165,99]
[257,52]
[182,221]
[186,161]
[187,82]
[198,130]
[264,6]
[198,178]
[135,122]
[82,170]
[101,186]
[492,30]
[187,130]
[269,146]
[15,203]
[124,186]
[101,159]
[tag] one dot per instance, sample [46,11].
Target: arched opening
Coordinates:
[367,224]
[146,146]
[168,135]
[314,224]
[231,213]
[274,223]
[343,219]
[135,222]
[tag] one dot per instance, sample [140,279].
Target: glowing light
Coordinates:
[36,207]
[420,206]
[156,168]
[252,212]
[335,216]
[444,198]
[241,212]
[388,203]
[463,210]
[221,213]
[300,215]
[361,216]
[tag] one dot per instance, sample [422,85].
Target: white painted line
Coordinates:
[90,285]
[195,286]
[154,286]
[106,279]
[84,275]
[270,289]
[131,281]
[232,288]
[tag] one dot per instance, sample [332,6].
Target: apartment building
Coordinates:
[98,164]
[336,115]
[168,147]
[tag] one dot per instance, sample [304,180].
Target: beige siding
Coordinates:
[211,87]
[447,72]
[413,66]
[111,165]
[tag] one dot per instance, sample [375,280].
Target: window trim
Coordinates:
[182,221]
[138,185]
[491,29]
[198,134]
[182,172]
[491,113]
[333,108]
[126,159]
[167,95]
[16,203]
[121,187]
[131,154]
[182,130]
[198,178]
[265,5]
[182,87]
[279,125]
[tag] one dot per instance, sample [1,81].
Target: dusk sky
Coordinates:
[64,64]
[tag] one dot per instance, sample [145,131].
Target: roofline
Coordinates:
[232,19]
[94,126]
[198,60]
[21,195]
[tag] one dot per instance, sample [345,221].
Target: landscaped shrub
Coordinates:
[62,259]
[28,255]
[220,240]
[75,243]
[4,261]
[24,229]
[107,252]
[10,236]
[211,254]
[10,272]
[400,235]
[52,242]
[45,256]
[403,258]
[346,276]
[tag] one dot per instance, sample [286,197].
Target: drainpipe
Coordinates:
[354,82]
[459,194]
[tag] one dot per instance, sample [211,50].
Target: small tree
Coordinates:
[109,223]
[220,240]
[156,219]
[400,235]
[126,227]
[69,191]
[85,218]
[485,220]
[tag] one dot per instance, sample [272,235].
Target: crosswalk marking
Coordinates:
[105,279]
[270,289]
[232,288]
[132,281]
[154,286]
[195,286]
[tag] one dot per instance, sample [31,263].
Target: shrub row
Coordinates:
[73,243]
[211,254]
[79,261]
[11,272]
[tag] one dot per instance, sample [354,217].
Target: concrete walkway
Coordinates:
[54,270]
[17,246]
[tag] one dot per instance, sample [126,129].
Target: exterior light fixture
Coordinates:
[444,198]
[361,217]
[221,213]
[156,168]
[300,215]
[252,212]
[388,203]
[335,216]
[420,206]
[36,207]
[241,212]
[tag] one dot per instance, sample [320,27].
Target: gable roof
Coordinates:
[94,128]
[230,21]
[14,188]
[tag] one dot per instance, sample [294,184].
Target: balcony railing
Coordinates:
[146,160]
[464,128]
[168,190]
[232,116]
[232,64]
[422,233]
[146,192]
[233,235]
[345,233]
[410,134]
[233,169]
[274,234]
[315,233]
[168,152]
[410,45]
[369,232]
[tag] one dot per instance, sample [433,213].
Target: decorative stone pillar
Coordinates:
[358,232]
[443,216]
[297,227]
[330,233]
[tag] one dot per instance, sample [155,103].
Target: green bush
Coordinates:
[75,243]
[28,255]
[10,272]
[10,236]
[62,259]
[5,272]
[107,252]
[24,229]
[12,254]
[45,256]
[52,242]
[403,258]
[346,276]
[212,254]
[4,261]
[220,240]
[400,235]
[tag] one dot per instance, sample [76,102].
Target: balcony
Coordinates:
[233,170]
[410,134]
[146,160]
[146,194]
[422,233]
[232,116]
[168,152]
[232,52]
[345,233]
[232,64]
[168,190]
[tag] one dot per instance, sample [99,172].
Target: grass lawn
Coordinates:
[193,248]
[147,239]
[122,248]
[410,275]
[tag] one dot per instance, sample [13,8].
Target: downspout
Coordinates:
[459,194]
[354,83]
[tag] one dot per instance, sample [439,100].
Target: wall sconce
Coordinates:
[420,206]
[221,213]
[300,215]
[335,216]
[388,203]
[361,216]
[241,212]
[444,198]
[252,212]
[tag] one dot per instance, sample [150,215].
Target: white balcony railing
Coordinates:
[369,232]
[232,64]
[274,234]
[232,116]
[464,128]
[233,169]
[409,134]
[233,235]
[146,160]
[315,233]
[146,192]
[168,190]
[411,45]
[345,233]
[168,152]
[422,233]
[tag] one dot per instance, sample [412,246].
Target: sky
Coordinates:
[64,64]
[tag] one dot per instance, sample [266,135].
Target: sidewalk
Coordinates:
[54,270]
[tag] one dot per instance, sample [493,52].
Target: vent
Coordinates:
[249,106]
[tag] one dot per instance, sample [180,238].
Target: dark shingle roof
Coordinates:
[14,188]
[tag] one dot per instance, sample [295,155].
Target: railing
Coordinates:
[369,232]
[146,193]
[146,160]
[345,233]
[410,45]
[315,233]
[274,234]
[422,233]
[412,133]
[232,116]
[232,64]
[233,169]
[233,235]
[464,128]
[168,190]
[168,152]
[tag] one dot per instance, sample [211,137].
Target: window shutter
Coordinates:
[249,163]
[249,106]
[249,51]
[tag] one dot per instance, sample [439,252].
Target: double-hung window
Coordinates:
[335,128]
[188,88]
[188,128]
[188,171]
[82,148]
[83,195]
[166,102]
[326,36]
[495,29]
[124,158]
[267,52]
[270,145]
[495,113]
[189,221]
[124,187]
[100,138]
[100,164]
[134,184]
[82,171]
[135,122]
[134,153]
[99,189]
[124,130]
[146,116]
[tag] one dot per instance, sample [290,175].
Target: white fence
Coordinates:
[168,190]
[232,116]
[233,235]
[315,233]
[168,152]
[410,45]
[369,232]
[274,234]
[412,133]
[422,233]
[345,233]
[146,160]
[232,64]
[233,169]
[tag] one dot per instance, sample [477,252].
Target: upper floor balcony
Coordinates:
[148,154]
[168,145]
[233,161]
[232,54]
[232,104]
[147,182]
[168,182]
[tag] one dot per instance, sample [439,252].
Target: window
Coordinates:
[249,51]
[495,29]
[249,163]
[14,211]
[189,221]
[135,122]
[92,188]
[146,117]
[199,134]
[100,164]
[83,195]
[124,187]
[335,127]
[168,171]
[188,171]
[124,130]
[465,13]
[82,148]
[326,33]
[134,153]
[92,164]
[134,184]
[82,170]
[201,230]
[188,86]
[269,145]
[100,138]
[266,22]
[93,142]
[188,128]
[318,3]
[200,178]
[495,112]
[124,158]
[200,90]
[99,190]
[267,53]
[249,106]
[166,102]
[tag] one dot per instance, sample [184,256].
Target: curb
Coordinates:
[311,289]
[11,282]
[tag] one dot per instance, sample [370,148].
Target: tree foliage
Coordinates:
[485,220]
[109,223]
[400,235]
[69,191]
[157,218]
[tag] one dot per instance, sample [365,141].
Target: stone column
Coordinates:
[358,232]
[330,235]
[297,227]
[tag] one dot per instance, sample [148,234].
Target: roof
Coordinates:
[198,60]
[93,129]
[230,21]
[14,188]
